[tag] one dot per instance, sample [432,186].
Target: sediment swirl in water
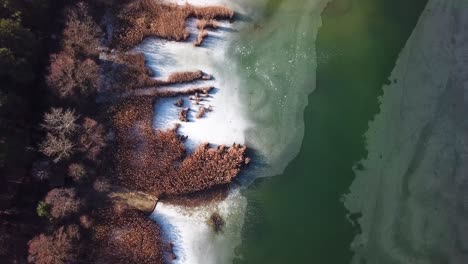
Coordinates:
[277,58]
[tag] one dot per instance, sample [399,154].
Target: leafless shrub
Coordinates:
[77,171]
[63,202]
[62,247]
[86,222]
[92,138]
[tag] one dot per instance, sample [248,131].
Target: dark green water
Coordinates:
[298,217]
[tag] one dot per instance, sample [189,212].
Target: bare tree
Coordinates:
[63,202]
[60,122]
[60,78]
[70,76]
[56,147]
[59,248]
[81,33]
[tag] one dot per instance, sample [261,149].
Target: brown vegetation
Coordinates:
[92,138]
[126,237]
[183,114]
[127,71]
[183,77]
[77,171]
[63,202]
[156,162]
[56,147]
[69,76]
[81,33]
[162,92]
[73,71]
[58,248]
[215,194]
[201,112]
[207,23]
[59,121]
[202,34]
[144,18]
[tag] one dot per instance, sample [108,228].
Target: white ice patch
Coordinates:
[225,124]
[194,240]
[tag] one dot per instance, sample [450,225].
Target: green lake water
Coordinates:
[298,216]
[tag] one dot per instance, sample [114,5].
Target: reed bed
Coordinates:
[202,34]
[156,162]
[125,236]
[143,18]
[207,23]
[184,77]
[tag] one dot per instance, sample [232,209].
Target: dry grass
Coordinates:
[207,23]
[216,194]
[201,112]
[202,34]
[125,236]
[183,115]
[143,18]
[156,162]
[183,77]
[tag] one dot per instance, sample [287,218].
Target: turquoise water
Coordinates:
[298,216]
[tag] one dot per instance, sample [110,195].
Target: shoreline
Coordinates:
[184,226]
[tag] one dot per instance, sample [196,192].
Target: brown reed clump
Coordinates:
[202,34]
[126,236]
[207,23]
[201,112]
[215,194]
[210,12]
[156,161]
[183,77]
[183,115]
[179,102]
[143,18]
